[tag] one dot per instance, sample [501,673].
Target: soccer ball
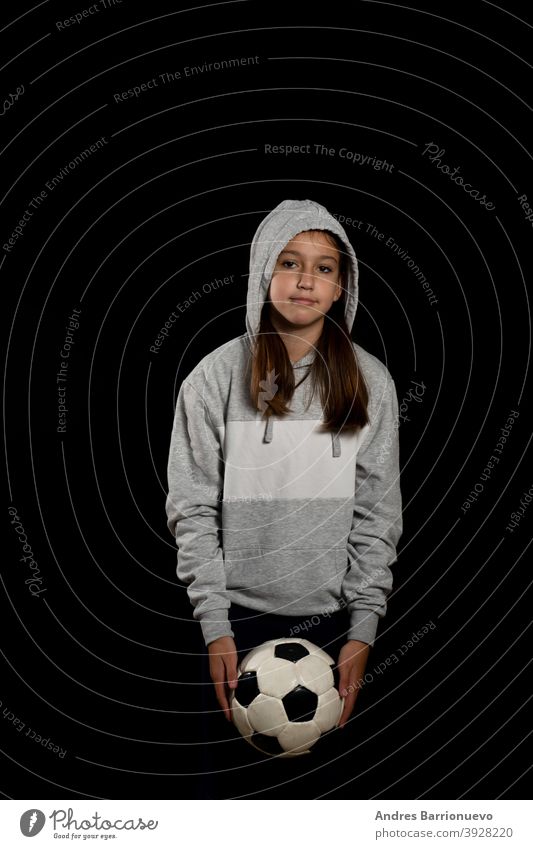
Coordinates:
[286,697]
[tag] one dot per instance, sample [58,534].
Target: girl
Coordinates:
[283,472]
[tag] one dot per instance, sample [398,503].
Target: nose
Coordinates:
[306,280]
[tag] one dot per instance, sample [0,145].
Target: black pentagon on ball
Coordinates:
[300,704]
[247,688]
[268,745]
[290,651]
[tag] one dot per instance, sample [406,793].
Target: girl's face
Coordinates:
[305,281]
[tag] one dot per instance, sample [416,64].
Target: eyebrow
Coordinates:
[323,256]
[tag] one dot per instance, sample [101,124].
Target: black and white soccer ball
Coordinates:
[287,697]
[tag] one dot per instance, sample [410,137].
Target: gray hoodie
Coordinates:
[270,513]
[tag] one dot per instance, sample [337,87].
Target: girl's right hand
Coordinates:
[223,669]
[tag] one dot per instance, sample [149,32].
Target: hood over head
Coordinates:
[282,224]
[286,220]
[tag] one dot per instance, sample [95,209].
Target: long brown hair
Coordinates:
[334,371]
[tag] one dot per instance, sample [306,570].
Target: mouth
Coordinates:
[304,301]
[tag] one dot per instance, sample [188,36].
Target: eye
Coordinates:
[324,267]
[289,262]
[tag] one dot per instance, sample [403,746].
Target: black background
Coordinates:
[105,661]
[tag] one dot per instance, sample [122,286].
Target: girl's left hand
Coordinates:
[351,665]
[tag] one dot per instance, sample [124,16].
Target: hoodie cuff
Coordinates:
[363,626]
[215,623]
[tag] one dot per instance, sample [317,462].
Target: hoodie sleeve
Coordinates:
[377,519]
[193,506]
